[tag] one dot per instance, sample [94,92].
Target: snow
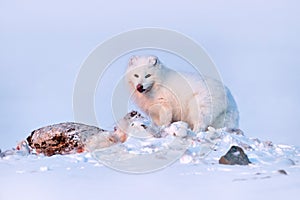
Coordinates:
[138,172]
[80,177]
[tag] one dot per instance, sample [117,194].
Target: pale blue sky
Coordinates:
[255,45]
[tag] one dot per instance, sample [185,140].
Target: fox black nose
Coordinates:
[140,88]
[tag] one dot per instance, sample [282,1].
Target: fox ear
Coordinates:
[132,61]
[153,60]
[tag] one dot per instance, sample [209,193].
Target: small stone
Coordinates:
[282,171]
[1,154]
[235,156]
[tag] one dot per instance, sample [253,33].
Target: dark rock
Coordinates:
[282,171]
[235,156]
[1,154]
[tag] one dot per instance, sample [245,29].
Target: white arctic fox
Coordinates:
[168,96]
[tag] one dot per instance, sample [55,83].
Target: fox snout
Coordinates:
[140,88]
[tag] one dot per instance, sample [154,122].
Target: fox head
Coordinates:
[143,72]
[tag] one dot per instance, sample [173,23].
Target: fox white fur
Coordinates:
[168,96]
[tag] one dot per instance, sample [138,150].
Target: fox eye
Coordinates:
[148,75]
[136,76]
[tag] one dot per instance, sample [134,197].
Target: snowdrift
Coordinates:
[179,159]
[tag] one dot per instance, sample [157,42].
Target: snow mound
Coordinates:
[177,143]
[148,148]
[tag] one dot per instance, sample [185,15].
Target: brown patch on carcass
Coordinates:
[63,138]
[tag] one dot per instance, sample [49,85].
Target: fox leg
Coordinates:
[160,114]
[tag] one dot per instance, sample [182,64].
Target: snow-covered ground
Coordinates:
[81,177]
[274,172]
